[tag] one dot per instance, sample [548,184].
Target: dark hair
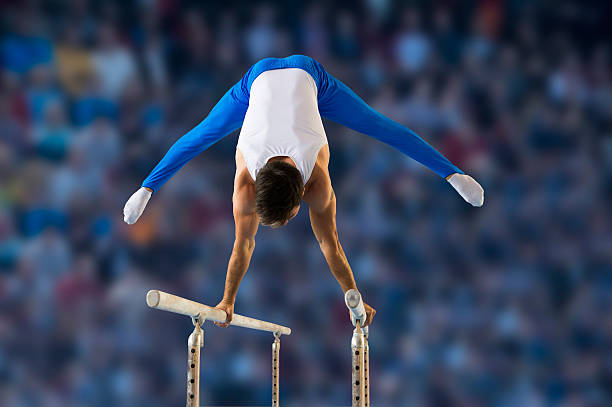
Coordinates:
[278,189]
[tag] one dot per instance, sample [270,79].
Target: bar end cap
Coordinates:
[153,298]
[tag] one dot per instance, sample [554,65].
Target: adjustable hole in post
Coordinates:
[356,367]
[193,365]
[357,383]
[191,396]
[357,352]
[357,398]
[192,380]
[192,350]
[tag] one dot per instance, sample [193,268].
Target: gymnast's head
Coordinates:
[278,193]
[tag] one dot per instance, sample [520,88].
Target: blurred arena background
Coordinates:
[507,305]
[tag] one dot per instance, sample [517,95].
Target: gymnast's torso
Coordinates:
[282,120]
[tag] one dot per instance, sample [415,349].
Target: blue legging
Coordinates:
[336,101]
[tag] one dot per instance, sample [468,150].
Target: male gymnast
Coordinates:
[282,158]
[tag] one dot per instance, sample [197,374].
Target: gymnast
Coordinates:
[282,158]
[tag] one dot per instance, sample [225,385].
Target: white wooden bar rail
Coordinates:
[172,303]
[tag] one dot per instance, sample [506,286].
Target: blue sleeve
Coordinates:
[224,118]
[339,103]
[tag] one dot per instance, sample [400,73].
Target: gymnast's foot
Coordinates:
[468,188]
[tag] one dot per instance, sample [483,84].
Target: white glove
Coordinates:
[468,188]
[136,205]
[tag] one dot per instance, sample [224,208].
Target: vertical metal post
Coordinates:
[366,369]
[275,372]
[194,343]
[358,362]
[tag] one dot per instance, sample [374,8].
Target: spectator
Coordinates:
[100,144]
[42,93]
[113,63]
[261,35]
[412,47]
[53,136]
[74,61]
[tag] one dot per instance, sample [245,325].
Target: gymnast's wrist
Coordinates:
[228,300]
[349,287]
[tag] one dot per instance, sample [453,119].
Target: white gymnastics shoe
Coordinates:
[468,188]
[136,205]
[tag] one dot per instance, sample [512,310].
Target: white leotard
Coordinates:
[282,120]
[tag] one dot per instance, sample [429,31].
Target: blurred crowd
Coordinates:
[506,305]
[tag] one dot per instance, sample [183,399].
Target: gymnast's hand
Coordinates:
[370,312]
[228,308]
[468,188]
[136,205]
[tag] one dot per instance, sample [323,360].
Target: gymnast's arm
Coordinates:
[246,222]
[339,103]
[322,208]
[323,222]
[224,118]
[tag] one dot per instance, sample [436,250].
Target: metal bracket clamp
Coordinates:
[197,320]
